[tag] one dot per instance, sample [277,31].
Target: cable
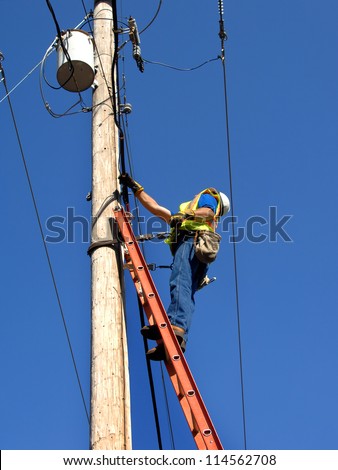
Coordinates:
[116,104]
[154,18]
[151,380]
[223,37]
[168,411]
[149,370]
[141,312]
[84,7]
[21,81]
[65,51]
[44,243]
[181,69]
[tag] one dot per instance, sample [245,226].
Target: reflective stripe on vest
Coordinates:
[191,224]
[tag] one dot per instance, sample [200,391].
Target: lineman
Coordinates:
[193,243]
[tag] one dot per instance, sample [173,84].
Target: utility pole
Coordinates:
[110,394]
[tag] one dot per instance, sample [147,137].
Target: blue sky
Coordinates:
[282,77]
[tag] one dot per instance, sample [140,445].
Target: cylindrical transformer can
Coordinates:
[77,75]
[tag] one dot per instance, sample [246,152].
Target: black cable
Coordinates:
[223,37]
[116,104]
[178,68]
[141,312]
[59,35]
[124,121]
[151,380]
[84,7]
[154,18]
[168,411]
[44,243]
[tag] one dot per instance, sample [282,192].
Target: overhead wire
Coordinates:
[154,17]
[173,446]
[20,82]
[179,68]
[44,244]
[64,49]
[223,37]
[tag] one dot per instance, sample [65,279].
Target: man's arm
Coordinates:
[152,206]
[147,201]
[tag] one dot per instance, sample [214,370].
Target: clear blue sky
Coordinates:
[282,77]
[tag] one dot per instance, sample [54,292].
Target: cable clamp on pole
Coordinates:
[102,243]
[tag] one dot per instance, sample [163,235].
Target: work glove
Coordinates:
[128,181]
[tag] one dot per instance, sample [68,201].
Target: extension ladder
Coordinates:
[194,409]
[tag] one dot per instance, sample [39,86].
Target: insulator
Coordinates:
[220,7]
[133,31]
[136,52]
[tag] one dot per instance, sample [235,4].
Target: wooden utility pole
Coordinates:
[110,395]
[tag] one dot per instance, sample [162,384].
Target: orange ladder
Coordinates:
[194,409]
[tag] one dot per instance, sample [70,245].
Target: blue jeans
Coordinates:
[186,275]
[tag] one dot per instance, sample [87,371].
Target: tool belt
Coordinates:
[185,234]
[206,244]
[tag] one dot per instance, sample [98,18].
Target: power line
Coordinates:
[168,410]
[178,68]
[223,37]
[65,51]
[21,81]
[154,18]
[44,243]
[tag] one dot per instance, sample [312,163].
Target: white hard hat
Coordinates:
[225,204]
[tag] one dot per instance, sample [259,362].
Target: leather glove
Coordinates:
[128,181]
[177,219]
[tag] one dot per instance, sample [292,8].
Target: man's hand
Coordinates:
[177,219]
[128,181]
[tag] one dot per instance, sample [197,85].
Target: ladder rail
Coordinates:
[190,399]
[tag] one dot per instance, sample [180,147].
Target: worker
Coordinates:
[190,264]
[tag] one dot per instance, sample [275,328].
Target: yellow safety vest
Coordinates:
[194,225]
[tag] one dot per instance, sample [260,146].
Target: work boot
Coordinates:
[151,332]
[156,354]
[179,332]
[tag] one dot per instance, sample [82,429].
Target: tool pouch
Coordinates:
[206,244]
